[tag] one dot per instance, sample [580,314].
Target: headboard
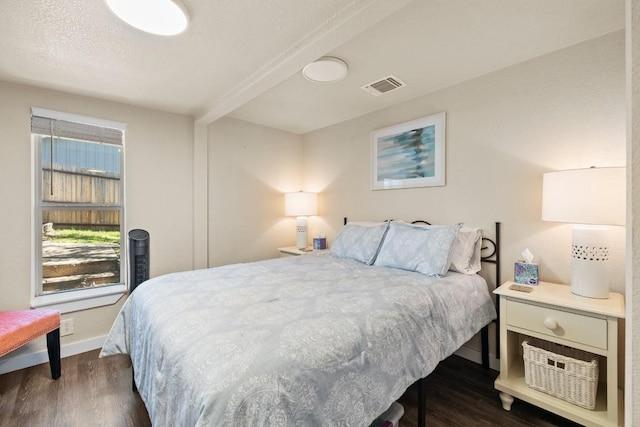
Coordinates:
[490,247]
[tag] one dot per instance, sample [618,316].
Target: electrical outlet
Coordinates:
[66,327]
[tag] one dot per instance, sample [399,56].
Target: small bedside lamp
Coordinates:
[590,198]
[301,205]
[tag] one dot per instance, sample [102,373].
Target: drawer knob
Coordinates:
[551,324]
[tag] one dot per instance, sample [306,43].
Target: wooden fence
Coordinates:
[66,187]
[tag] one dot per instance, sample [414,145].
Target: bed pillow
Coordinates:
[358,242]
[425,249]
[465,254]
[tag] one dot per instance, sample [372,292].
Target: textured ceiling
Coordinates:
[431,45]
[230,48]
[244,56]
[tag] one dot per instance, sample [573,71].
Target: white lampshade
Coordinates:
[302,203]
[585,196]
[591,199]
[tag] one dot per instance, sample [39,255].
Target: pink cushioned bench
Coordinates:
[19,327]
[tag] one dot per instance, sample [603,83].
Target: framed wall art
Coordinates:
[409,154]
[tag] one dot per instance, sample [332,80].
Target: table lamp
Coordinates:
[301,205]
[590,199]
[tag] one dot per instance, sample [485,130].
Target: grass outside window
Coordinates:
[73,235]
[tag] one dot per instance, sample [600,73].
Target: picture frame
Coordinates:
[409,154]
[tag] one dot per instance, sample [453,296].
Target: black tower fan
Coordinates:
[138,257]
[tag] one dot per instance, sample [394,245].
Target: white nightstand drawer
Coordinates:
[578,328]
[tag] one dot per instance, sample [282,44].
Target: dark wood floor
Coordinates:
[461,393]
[90,392]
[96,391]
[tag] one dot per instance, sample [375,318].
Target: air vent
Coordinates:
[384,85]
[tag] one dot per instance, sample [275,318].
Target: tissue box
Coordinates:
[319,243]
[526,273]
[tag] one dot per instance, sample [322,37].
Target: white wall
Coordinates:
[504,130]
[250,167]
[158,179]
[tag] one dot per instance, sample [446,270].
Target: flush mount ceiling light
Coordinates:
[326,69]
[161,17]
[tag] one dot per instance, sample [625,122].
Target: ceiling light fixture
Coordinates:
[325,70]
[161,17]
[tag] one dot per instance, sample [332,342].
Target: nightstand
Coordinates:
[550,312]
[294,251]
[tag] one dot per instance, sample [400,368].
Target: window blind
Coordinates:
[73,130]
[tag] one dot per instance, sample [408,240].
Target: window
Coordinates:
[79,209]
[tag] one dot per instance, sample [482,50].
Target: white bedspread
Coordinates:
[309,340]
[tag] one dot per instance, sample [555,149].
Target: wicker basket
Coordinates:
[560,371]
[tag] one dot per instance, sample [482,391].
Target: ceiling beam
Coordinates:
[354,18]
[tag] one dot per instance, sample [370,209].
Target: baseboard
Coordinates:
[11,363]
[476,356]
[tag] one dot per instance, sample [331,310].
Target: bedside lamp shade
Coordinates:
[585,196]
[591,198]
[301,205]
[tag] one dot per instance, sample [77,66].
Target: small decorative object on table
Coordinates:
[320,242]
[526,271]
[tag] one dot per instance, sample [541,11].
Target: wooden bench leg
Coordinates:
[53,348]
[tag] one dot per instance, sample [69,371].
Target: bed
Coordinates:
[309,340]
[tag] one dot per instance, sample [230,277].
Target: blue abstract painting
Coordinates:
[409,154]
